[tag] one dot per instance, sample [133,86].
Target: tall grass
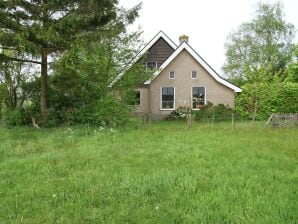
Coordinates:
[159,173]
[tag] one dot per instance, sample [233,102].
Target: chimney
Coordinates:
[183,38]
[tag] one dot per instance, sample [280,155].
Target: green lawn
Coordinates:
[159,173]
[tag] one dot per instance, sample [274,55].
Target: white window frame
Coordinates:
[174,106]
[196,74]
[151,62]
[191,96]
[173,73]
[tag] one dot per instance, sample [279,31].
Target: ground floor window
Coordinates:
[137,98]
[167,98]
[134,98]
[198,97]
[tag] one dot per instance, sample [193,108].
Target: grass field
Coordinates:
[159,173]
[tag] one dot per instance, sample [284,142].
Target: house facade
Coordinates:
[181,78]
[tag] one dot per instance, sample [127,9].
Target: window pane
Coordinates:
[168,91]
[137,98]
[134,98]
[198,97]
[172,75]
[151,64]
[195,91]
[194,74]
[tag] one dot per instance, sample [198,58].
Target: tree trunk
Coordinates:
[43,87]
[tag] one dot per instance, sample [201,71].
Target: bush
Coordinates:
[16,117]
[178,114]
[112,112]
[220,111]
[271,98]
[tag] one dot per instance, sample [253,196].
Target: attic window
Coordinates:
[151,65]
[172,75]
[194,75]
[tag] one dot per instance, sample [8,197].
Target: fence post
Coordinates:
[232,120]
[213,119]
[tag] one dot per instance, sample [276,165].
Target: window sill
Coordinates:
[166,109]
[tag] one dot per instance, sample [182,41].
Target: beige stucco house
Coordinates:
[181,77]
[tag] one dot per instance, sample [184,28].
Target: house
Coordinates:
[181,78]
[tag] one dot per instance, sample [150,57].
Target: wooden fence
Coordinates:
[283,120]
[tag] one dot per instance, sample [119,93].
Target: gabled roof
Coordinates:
[185,46]
[159,35]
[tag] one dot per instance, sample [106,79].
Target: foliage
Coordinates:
[266,42]
[292,70]
[162,173]
[15,91]
[272,98]
[42,28]
[178,114]
[79,87]
[16,116]
[111,112]
[220,111]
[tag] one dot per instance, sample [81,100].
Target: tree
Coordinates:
[79,86]
[13,76]
[292,69]
[264,42]
[42,28]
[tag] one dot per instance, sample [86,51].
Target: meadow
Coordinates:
[157,173]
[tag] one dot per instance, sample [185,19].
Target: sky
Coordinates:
[206,22]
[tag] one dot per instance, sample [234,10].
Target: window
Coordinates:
[194,75]
[167,98]
[198,97]
[172,75]
[151,65]
[135,98]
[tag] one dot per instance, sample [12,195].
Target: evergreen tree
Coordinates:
[41,28]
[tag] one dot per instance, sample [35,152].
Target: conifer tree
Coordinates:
[41,28]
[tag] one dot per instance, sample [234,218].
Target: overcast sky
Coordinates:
[206,22]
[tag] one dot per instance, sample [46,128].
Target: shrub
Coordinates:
[271,98]
[220,111]
[16,117]
[178,114]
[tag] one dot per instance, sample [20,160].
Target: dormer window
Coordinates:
[194,75]
[151,64]
[172,75]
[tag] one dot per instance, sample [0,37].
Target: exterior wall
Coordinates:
[183,65]
[144,97]
[160,51]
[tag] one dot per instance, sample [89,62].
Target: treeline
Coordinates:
[262,59]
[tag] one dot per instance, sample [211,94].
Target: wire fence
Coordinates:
[232,120]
